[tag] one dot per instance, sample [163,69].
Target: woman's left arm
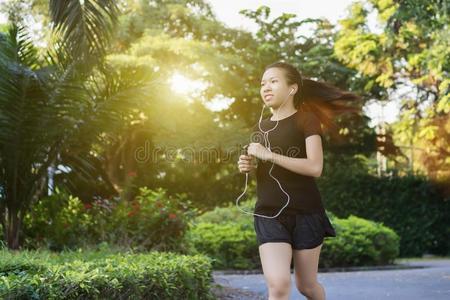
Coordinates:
[312,165]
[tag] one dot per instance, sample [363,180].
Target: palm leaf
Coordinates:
[85,26]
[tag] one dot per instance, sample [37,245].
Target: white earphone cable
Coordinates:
[267,145]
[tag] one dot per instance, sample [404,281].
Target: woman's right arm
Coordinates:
[246,163]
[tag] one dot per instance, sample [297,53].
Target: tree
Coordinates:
[408,59]
[47,103]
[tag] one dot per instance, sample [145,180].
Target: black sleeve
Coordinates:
[311,125]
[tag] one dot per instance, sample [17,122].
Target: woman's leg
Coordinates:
[276,260]
[306,263]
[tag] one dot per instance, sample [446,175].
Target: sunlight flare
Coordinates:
[186,86]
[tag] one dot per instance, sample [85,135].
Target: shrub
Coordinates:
[56,221]
[359,242]
[423,228]
[228,237]
[100,275]
[151,221]
[230,245]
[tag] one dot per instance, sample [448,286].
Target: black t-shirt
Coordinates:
[287,139]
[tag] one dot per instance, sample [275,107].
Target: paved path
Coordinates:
[430,280]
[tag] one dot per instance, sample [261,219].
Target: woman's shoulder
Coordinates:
[305,117]
[309,123]
[306,114]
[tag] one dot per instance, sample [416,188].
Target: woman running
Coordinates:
[289,217]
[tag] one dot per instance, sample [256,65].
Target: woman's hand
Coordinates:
[246,163]
[259,151]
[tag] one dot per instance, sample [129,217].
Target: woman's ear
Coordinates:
[293,89]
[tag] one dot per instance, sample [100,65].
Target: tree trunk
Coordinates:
[12,229]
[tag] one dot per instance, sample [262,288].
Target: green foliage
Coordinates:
[228,237]
[360,242]
[85,30]
[346,189]
[230,213]
[104,275]
[407,57]
[151,221]
[44,101]
[57,221]
[231,245]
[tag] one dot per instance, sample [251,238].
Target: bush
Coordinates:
[229,245]
[413,206]
[56,221]
[151,221]
[103,275]
[359,242]
[228,237]
[230,213]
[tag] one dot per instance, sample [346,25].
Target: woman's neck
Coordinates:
[282,113]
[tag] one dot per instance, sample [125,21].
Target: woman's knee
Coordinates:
[306,289]
[279,287]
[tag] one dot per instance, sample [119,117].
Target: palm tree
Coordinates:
[49,104]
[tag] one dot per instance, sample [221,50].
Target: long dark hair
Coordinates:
[324,100]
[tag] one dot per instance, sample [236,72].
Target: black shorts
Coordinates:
[302,231]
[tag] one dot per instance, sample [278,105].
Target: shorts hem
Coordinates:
[274,241]
[308,247]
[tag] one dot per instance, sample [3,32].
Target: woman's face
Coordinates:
[274,88]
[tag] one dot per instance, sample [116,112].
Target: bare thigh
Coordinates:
[306,263]
[276,260]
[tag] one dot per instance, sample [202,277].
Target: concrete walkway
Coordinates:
[429,280]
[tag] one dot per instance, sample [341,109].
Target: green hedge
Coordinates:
[228,237]
[153,220]
[100,275]
[413,206]
[359,242]
[230,245]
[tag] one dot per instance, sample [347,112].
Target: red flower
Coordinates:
[135,204]
[87,205]
[131,173]
[172,216]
